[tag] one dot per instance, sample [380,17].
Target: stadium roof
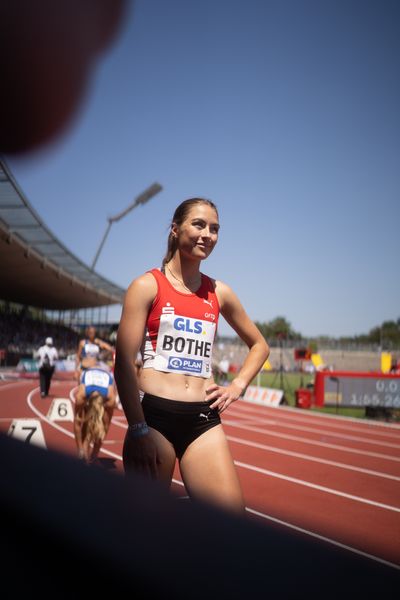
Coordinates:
[36,269]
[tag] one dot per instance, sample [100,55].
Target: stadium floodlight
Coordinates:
[141,199]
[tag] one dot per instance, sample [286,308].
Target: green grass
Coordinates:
[358,413]
[288,382]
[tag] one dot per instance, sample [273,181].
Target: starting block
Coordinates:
[60,410]
[27,430]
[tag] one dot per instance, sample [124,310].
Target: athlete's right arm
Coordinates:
[139,452]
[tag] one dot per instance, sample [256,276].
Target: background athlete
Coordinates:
[94,407]
[89,349]
[171,315]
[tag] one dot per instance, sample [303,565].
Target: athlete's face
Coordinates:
[91,333]
[198,233]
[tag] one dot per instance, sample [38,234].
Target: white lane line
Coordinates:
[288,452]
[262,447]
[286,436]
[315,486]
[331,434]
[323,538]
[314,535]
[280,435]
[306,483]
[361,428]
[313,414]
[180,483]
[12,383]
[68,433]
[311,458]
[304,440]
[58,427]
[299,455]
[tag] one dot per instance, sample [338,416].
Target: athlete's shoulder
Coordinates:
[225,293]
[144,287]
[144,281]
[222,287]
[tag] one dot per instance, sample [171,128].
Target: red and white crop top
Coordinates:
[181,328]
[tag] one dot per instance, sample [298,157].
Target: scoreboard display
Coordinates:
[357,389]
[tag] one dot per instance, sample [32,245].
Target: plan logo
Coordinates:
[185,364]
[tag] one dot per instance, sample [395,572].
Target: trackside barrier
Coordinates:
[28,365]
[263,395]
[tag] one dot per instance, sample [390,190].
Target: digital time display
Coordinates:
[357,389]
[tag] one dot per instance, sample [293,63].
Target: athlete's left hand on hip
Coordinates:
[224,396]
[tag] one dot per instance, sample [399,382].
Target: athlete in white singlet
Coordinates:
[89,351]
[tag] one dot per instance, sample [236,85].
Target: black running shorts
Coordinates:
[180,422]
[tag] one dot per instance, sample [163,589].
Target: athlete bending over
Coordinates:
[94,407]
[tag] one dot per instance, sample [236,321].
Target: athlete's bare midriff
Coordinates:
[88,362]
[172,386]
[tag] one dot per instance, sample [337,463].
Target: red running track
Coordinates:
[334,478]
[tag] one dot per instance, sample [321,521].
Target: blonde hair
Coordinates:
[93,426]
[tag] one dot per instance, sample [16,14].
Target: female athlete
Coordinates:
[170,314]
[94,407]
[89,351]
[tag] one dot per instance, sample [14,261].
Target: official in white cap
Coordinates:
[47,356]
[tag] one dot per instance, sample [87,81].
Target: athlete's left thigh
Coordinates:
[208,471]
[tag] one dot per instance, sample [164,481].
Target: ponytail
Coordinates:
[94,429]
[171,249]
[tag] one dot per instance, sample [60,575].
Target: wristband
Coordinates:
[137,430]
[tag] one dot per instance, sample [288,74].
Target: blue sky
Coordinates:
[285,113]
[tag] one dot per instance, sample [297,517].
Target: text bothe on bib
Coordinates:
[184,346]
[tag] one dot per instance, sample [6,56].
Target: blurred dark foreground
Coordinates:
[69,530]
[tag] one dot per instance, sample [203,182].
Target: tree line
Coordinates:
[386,335]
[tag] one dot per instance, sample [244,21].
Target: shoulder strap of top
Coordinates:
[210,283]
[158,275]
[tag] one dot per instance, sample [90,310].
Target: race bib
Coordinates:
[184,346]
[91,349]
[96,378]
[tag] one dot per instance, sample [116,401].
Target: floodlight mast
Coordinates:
[141,199]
